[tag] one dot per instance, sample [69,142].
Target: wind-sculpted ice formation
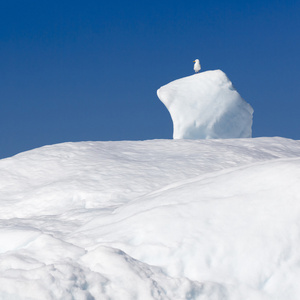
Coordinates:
[206,106]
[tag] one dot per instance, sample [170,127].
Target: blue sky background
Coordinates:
[89,70]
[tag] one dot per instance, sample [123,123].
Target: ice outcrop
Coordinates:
[206,106]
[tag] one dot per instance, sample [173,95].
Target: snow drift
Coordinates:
[161,219]
[206,106]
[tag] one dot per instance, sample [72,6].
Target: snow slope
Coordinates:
[206,106]
[160,219]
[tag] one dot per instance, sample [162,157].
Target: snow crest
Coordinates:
[206,106]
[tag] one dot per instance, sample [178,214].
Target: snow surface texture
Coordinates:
[161,219]
[206,106]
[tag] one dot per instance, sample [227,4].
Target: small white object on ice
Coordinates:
[206,106]
[197,66]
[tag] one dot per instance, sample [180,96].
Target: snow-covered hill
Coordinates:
[160,219]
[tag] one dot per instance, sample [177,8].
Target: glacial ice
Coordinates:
[206,106]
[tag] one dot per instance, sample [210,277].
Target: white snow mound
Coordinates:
[206,106]
[162,219]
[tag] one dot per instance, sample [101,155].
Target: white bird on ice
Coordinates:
[197,66]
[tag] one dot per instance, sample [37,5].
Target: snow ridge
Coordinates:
[160,219]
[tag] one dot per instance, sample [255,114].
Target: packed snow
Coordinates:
[160,219]
[206,106]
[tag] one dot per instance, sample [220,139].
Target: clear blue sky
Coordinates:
[89,70]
